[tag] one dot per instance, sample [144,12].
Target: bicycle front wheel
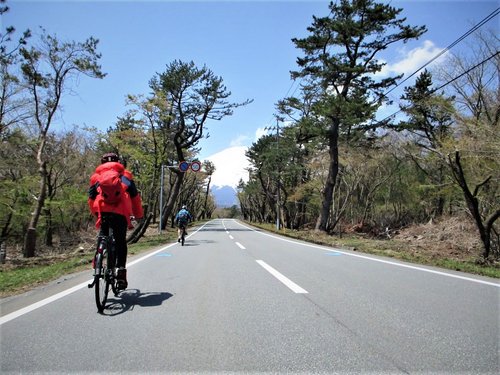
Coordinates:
[101,283]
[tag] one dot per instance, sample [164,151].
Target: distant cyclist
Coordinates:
[182,219]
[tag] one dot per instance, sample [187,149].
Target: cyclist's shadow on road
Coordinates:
[128,299]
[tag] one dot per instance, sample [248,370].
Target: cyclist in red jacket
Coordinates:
[116,215]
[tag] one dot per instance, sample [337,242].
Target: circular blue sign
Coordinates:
[183,166]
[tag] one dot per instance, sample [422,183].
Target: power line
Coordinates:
[480,24]
[467,71]
[443,85]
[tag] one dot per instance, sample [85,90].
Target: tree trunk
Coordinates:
[30,238]
[140,230]
[205,213]
[49,230]
[473,204]
[333,170]
[30,242]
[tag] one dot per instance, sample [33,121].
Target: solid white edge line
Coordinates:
[55,297]
[240,246]
[36,305]
[376,260]
[285,280]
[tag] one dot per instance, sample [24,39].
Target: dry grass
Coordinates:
[450,242]
[449,237]
[19,274]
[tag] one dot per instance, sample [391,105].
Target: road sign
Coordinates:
[183,166]
[195,166]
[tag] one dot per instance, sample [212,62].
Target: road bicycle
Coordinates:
[104,265]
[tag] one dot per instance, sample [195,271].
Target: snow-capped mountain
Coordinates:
[225,196]
[230,167]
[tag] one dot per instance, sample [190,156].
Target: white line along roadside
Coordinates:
[64,293]
[367,257]
[285,280]
[55,297]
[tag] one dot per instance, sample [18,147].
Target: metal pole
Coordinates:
[161,200]
[3,252]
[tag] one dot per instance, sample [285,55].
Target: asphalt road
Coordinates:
[234,299]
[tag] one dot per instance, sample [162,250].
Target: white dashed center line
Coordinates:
[289,283]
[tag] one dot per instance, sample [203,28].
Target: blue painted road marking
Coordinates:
[164,255]
[333,254]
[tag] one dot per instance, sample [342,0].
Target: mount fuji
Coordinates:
[230,167]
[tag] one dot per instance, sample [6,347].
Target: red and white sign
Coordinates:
[195,166]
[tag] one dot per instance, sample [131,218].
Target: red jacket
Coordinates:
[131,206]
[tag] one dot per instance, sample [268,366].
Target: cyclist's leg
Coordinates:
[105,223]
[119,225]
[120,234]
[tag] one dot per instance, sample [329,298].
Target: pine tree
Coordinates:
[340,56]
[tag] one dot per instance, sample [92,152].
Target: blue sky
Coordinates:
[247,43]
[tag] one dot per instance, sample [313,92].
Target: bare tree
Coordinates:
[484,225]
[476,91]
[475,83]
[47,70]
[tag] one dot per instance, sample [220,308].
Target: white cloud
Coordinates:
[239,141]
[260,132]
[230,166]
[413,59]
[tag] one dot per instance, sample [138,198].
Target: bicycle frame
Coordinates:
[104,269]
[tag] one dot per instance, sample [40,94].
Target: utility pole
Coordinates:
[278,197]
[278,211]
[161,198]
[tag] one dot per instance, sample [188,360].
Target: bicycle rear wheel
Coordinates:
[101,282]
[183,236]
